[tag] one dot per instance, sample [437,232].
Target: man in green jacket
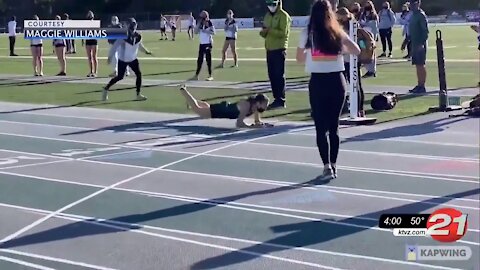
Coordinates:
[275,31]
[418,29]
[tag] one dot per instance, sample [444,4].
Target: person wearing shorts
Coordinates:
[91,46]
[254,105]
[59,49]
[36,46]
[418,28]
[231,30]
[163,27]
[173,27]
[191,26]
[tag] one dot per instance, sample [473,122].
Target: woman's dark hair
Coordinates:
[257,98]
[324,31]
[373,16]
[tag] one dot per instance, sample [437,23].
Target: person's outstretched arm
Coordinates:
[143,49]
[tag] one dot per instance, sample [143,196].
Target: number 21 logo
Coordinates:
[447,225]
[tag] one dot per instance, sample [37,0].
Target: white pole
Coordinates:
[353,87]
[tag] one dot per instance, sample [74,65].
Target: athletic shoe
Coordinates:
[40,74]
[382,55]
[406,57]
[328,174]
[194,78]
[141,97]
[277,104]
[418,90]
[369,75]
[90,75]
[209,79]
[62,74]
[105,94]
[235,66]
[13,54]
[334,169]
[390,55]
[35,74]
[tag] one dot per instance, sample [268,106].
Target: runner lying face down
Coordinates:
[254,105]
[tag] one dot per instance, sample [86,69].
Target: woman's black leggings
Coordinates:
[122,69]
[205,50]
[386,37]
[361,94]
[327,95]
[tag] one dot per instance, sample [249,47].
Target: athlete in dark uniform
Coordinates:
[254,105]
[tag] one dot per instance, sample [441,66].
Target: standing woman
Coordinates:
[386,22]
[173,27]
[205,31]
[36,46]
[231,30]
[163,27]
[321,48]
[344,17]
[369,22]
[404,20]
[91,46]
[59,45]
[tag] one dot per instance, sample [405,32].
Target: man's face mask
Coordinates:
[272,8]
[261,110]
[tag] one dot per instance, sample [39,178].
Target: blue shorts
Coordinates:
[419,55]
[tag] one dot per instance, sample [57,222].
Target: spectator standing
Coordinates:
[320,48]
[386,22]
[404,20]
[231,30]
[369,22]
[12,33]
[205,30]
[37,54]
[418,28]
[276,31]
[70,42]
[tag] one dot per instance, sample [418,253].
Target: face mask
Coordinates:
[368,8]
[261,110]
[355,10]
[272,8]
[384,7]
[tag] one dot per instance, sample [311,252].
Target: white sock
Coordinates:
[327,166]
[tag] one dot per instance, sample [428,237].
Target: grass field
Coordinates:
[176,60]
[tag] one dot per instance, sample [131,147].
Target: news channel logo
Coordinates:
[437,253]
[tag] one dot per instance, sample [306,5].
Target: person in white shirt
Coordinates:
[127,57]
[59,45]
[36,46]
[231,30]
[191,26]
[163,27]
[12,32]
[205,31]
[115,23]
[173,27]
[321,48]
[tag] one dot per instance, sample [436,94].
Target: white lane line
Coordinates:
[34,164]
[42,220]
[125,227]
[284,183]
[237,205]
[347,168]
[363,138]
[53,259]
[403,155]
[19,262]
[375,170]
[298,132]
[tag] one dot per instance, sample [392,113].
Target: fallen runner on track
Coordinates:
[254,105]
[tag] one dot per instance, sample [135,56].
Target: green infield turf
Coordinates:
[460,52]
